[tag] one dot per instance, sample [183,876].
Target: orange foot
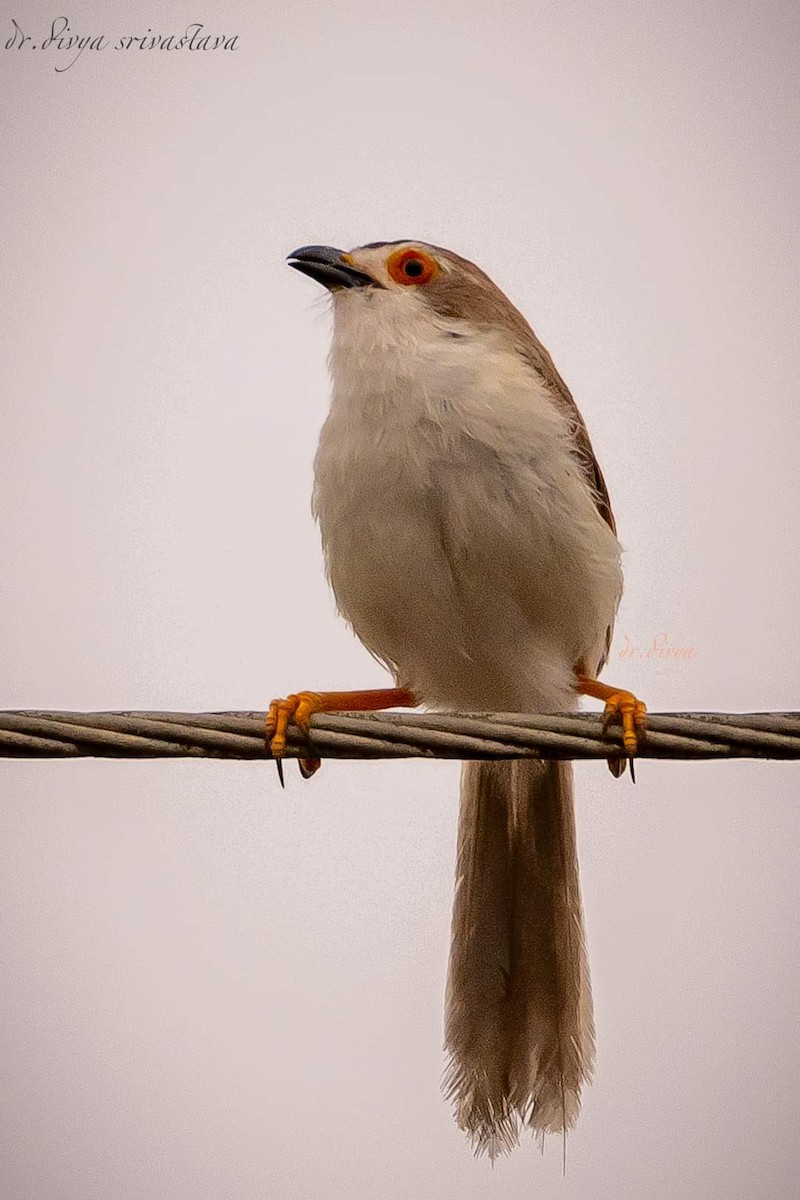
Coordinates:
[298,709]
[621,705]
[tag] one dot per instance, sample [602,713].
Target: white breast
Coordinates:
[461,539]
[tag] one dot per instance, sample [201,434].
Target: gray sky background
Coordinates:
[215,989]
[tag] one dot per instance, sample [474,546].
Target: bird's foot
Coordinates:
[622,706]
[298,709]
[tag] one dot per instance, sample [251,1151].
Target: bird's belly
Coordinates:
[474,579]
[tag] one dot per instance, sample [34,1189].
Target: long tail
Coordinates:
[518,1025]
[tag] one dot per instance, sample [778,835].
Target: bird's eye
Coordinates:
[411,266]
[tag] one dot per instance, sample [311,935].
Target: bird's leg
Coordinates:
[619,704]
[299,707]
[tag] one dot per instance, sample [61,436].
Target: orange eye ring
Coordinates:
[411,266]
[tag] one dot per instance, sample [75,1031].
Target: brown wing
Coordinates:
[538,357]
[534,352]
[468,293]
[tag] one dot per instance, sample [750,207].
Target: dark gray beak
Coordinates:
[324,263]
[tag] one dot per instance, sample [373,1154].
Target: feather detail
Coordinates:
[518,1027]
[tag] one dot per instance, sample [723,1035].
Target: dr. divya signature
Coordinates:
[63,41]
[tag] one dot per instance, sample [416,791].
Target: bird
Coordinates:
[470,543]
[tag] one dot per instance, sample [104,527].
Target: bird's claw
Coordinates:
[631,713]
[296,709]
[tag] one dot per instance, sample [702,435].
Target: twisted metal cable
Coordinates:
[240,735]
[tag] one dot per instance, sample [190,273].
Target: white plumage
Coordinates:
[462,541]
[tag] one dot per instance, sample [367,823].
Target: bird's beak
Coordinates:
[329,267]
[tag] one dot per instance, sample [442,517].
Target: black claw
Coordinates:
[616,765]
[279,765]
[308,766]
[633,773]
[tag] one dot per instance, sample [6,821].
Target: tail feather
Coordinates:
[518,1025]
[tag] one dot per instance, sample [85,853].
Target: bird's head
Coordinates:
[407,300]
[410,276]
[398,292]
